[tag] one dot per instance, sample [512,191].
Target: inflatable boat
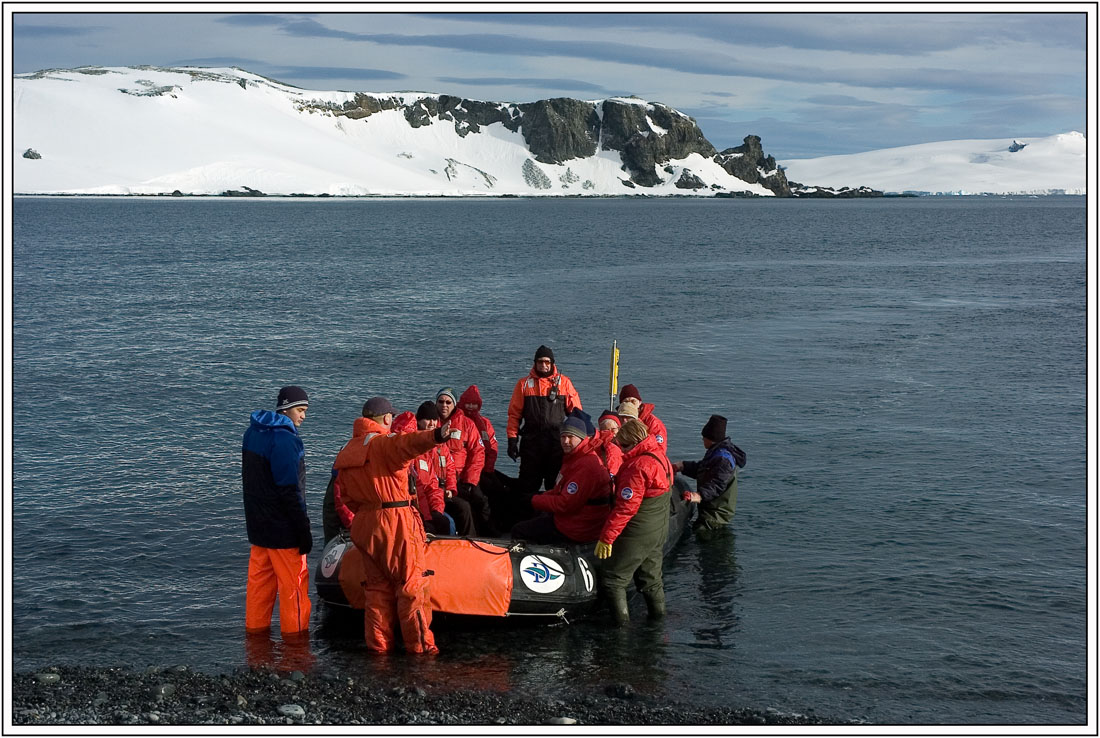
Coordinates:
[493,577]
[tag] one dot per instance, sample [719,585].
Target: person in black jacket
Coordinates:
[273,476]
[716,474]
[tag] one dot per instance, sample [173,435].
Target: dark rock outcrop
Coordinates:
[749,163]
[556,130]
[31,154]
[800,190]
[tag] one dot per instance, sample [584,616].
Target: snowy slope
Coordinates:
[1052,165]
[204,131]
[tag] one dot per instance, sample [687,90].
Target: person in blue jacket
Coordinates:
[716,476]
[273,475]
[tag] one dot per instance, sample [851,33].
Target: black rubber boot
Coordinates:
[616,603]
[655,603]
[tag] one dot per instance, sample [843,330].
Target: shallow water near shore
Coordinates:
[907,377]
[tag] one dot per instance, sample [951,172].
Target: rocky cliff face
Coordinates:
[557,130]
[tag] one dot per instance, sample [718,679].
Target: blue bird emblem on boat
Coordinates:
[541,573]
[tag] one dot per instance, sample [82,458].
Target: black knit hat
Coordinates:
[427,411]
[715,429]
[544,352]
[291,397]
[377,406]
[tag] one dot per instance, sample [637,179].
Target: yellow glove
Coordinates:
[603,550]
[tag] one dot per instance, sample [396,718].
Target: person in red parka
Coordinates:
[423,483]
[633,537]
[610,452]
[373,471]
[575,509]
[470,404]
[443,467]
[469,456]
[631,405]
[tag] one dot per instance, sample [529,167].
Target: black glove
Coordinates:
[305,545]
[440,525]
[442,433]
[513,448]
[466,490]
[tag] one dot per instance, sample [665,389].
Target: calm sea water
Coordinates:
[907,376]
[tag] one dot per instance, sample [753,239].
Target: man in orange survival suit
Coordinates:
[273,475]
[373,471]
[540,402]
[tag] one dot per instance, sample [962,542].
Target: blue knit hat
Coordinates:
[574,426]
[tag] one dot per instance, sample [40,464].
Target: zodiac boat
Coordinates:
[493,577]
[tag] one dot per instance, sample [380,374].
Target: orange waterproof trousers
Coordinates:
[277,571]
[395,586]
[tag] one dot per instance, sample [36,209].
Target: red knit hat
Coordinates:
[629,390]
[470,397]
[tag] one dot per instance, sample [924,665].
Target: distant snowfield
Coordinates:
[1051,165]
[226,129]
[152,131]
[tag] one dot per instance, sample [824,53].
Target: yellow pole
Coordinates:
[614,372]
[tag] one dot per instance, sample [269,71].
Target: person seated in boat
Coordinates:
[716,476]
[540,401]
[631,405]
[610,452]
[442,465]
[469,457]
[387,530]
[630,546]
[574,509]
[423,483]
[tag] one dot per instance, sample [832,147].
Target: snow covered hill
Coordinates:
[1027,166]
[201,131]
[146,130]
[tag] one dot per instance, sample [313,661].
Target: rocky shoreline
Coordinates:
[81,695]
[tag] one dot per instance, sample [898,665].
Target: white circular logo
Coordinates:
[586,575]
[571,489]
[332,559]
[660,438]
[627,493]
[541,574]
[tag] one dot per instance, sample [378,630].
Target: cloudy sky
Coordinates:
[809,84]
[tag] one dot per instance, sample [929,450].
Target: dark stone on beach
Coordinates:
[31,154]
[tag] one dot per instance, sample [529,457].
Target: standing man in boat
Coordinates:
[273,475]
[637,526]
[716,476]
[631,406]
[575,509]
[469,455]
[540,402]
[387,529]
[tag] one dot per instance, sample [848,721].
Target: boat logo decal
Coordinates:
[541,574]
[627,493]
[586,574]
[332,558]
[572,488]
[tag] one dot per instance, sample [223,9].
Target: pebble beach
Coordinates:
[178,695]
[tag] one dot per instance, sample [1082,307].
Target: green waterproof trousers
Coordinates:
[638,550]
[717,513]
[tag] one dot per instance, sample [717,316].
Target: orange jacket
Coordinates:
[377,464]
[523,407]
